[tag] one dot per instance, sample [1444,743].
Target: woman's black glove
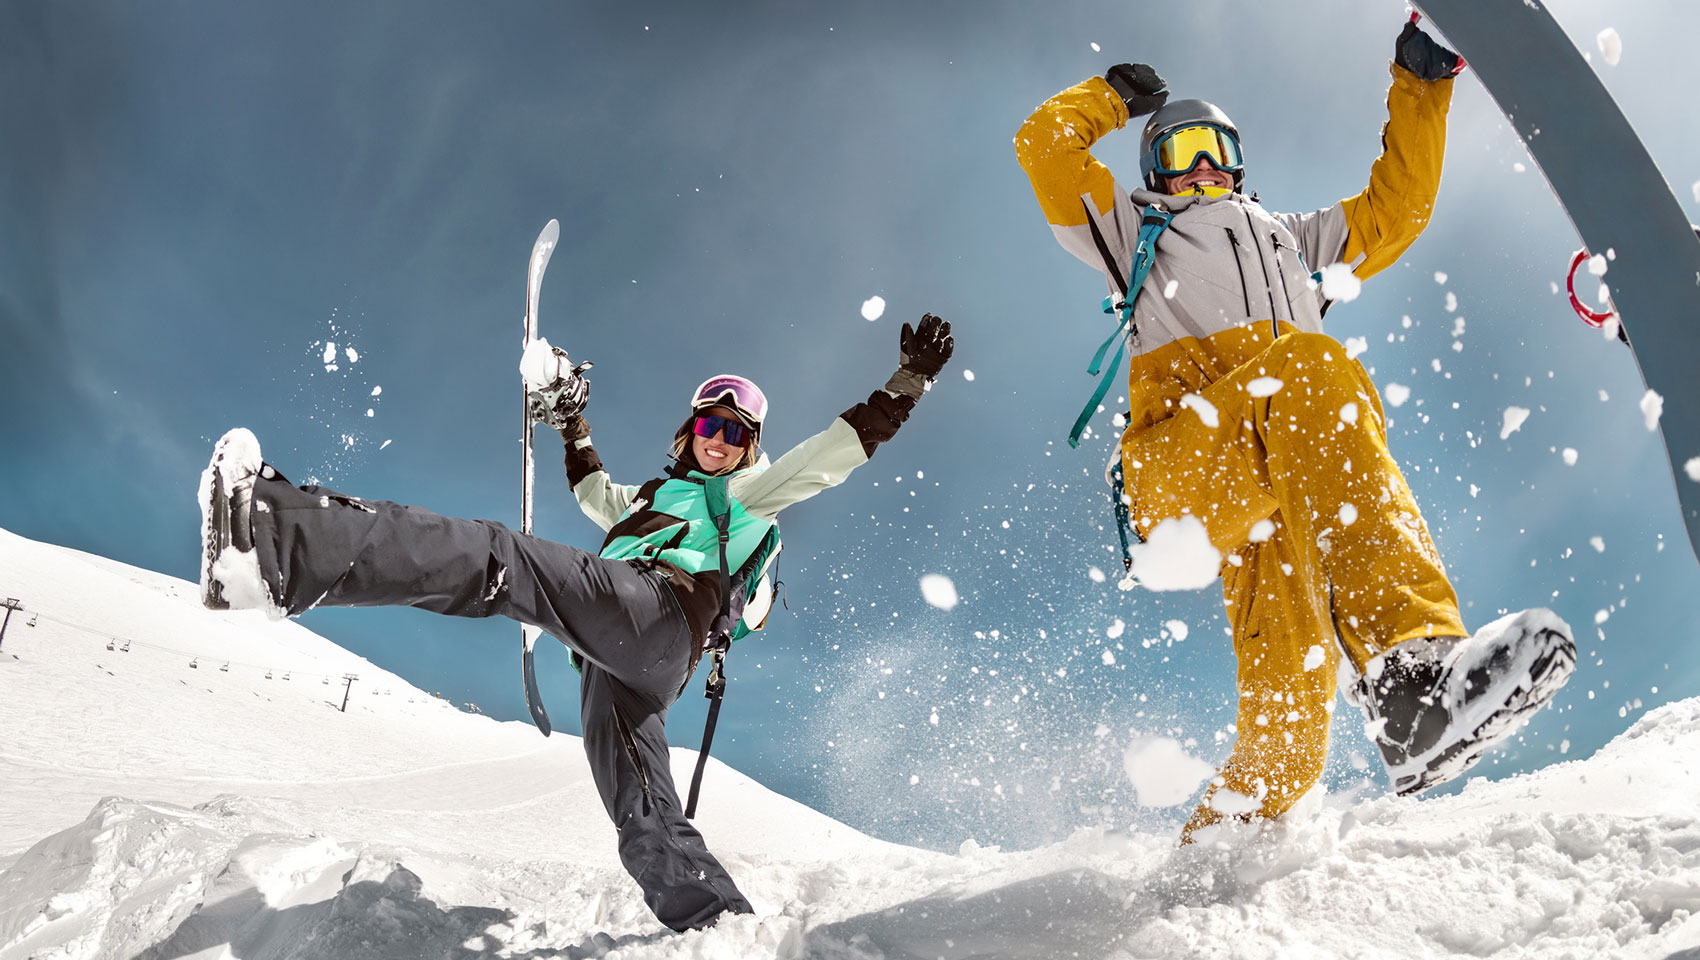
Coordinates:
[923,352]
[925,349]
[573,428]
[1417,52]
[1139,86]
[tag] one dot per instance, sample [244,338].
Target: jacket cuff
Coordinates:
[877,420]
[582,460]
[907,383]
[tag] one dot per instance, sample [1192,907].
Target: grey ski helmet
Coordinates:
[1176,115]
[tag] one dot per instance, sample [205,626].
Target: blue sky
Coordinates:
[199,195]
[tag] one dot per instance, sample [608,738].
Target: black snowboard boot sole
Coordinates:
[227,498]
[1517,694]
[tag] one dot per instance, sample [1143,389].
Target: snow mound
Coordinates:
[404,828]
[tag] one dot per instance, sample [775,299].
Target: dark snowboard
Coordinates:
[1562,112]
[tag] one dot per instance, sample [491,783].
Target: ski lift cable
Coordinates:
[115,638]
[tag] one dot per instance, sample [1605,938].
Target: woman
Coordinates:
[637,616]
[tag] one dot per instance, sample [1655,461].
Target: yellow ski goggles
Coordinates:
[1178,151]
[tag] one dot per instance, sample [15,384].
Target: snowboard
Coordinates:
[1571,126]
[540,252]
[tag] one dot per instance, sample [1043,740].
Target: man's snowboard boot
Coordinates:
[230,570]
[1436,704]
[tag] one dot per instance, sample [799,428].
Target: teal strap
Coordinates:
[1144,256]
[1120,339]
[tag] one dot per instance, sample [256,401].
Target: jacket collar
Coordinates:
[678,471]
[1163,201]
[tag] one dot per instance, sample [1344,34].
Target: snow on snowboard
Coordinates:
[540,252]
[1568,121]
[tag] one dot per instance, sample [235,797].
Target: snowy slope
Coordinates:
[152,810]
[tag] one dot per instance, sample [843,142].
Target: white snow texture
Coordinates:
[154,809]
[1177,555]
[938,590]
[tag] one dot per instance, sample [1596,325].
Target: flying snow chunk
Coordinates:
[1569,455]
[1115,629]
[1440,277]
[1597,265]
[1356,346]
[1598,543]
[370,412]
[1264,387]
[938,590]
[1177,556]
[1261,530]
[1696,189]
[1451,302]
[1095,574]
[1692,468]
[1170,288]
[968,375]
[1348,514]
[873,308]
[377,390]
[1176,628]
[1340,283]
[1205,409]
[1108,658]
[352,355]
[1652,408]
[1349,412]
[1314,657]
[330,351]
[1514,417]
[1397,394]
[1163,774]
[538,365]
[1097,49]
[1611,45]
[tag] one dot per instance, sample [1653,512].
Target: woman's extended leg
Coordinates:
[312,546]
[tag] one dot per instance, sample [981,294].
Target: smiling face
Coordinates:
[713,454]
[1204,174]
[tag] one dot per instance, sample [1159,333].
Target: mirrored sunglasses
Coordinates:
[734,433]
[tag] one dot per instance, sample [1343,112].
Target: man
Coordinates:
[1249,419]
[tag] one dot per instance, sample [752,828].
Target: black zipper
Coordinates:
[1279,246]
[1245,291]
[1274,318]
[636,757]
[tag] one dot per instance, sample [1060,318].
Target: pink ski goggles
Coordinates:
[738,393]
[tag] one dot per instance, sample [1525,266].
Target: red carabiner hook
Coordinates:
[1590,317]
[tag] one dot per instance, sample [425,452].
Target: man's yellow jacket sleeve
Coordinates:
[1385,219]
[1054,145]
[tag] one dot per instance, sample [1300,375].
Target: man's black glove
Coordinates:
[1139,87]
[923,352]
[1417,52]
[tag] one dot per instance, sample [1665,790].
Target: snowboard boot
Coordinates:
[1437,704]
[230,570]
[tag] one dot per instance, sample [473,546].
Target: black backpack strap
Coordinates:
[719,499]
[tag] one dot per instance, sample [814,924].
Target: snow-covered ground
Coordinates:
[153,810]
